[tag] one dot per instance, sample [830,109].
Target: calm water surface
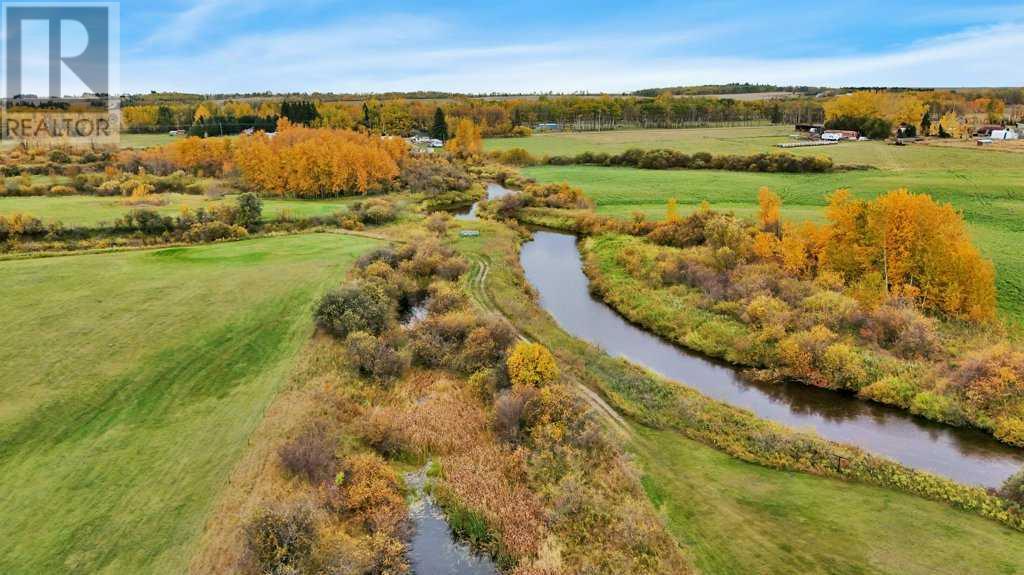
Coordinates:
[553,266]
[433,549]
[494,191]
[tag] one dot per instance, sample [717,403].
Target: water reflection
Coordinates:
[552,265]
[433,549]
[468,213]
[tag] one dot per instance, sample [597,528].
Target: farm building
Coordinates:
[810,128]
[984,131]
[840,135]
[1004,134]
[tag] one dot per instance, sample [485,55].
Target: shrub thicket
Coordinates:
[868,126]
[281,539]
[666,159]
[531,365]
[309,455]
[354,307]
[375,357]
[1013,488]
[433,175]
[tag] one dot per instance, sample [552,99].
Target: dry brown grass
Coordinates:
[1012,146]
[257,478]
[492,480]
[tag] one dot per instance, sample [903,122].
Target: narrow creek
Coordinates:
[433,549]
[468,213]
[553,266]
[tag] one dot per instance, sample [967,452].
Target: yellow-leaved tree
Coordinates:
[917,248]
[768,214]
[201,114]
[950,124]
[672,211]
[467,142]
[531,365]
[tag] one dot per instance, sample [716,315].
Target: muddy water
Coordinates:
[552,264]
[433,549]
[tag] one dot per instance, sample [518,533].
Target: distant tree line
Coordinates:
[399,116]
[731,88]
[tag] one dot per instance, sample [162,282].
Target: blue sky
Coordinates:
[525,46]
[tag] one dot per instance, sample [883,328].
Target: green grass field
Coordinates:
[149,140]
[91,211]
[129,385]
[763,139]
[992,201]
[737,518]
[130,140]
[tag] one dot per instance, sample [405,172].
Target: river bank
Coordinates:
[759,498]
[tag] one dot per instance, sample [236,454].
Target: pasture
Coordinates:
[745,141]
[130,384]
[92,211]
[150,140]
[129,140]
[735,517]
[988,190]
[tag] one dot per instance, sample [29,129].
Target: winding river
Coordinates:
[553,266]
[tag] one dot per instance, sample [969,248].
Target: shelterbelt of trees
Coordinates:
[877,113]
[400,116]
[396,114]
[297,162]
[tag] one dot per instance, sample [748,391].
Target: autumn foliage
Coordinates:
[317,163]
[295,162]
[531,365]
[467,142]
[920,247]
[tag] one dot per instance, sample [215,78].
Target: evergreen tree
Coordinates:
[440,128]
[164,117]
[926,122]
[367,121]
[302,112]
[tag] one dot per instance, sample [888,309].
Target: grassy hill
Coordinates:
[129,385]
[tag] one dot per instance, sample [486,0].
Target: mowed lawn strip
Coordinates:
[992,202]
[92,211]
[129,385]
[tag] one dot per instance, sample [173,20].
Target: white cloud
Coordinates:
[401,52]
[189,23]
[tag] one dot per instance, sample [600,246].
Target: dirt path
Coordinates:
[482,297]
